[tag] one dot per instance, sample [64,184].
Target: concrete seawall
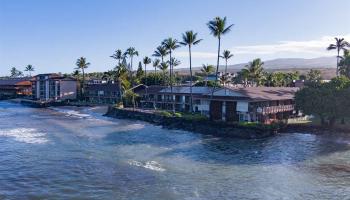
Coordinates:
[200,126]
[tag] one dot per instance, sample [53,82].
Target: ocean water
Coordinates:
[76,153]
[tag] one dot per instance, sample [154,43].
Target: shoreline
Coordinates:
[205,127]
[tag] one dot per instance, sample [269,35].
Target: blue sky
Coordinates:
[51,35]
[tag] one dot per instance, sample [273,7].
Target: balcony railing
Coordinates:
[276,109]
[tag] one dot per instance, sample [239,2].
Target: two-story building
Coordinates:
[251,104]
[14,87]
[53,87]
[102,92]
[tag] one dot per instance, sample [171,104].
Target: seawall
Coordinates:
[200,126]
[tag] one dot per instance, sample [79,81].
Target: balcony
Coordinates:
[276,109]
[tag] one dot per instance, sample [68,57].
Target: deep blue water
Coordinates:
[75,153]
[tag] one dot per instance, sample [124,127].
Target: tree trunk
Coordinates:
[217,68]
[83,87]
[171,83]
[191,95]
[338,63]
[216,75]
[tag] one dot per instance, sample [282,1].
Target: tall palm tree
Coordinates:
[218,28]
[30,69]
[82,64]
[226,55]
[146,61]
[171,44]
[340,44]
[118,55]
[160,52]
[131,52]
[190,39]
[207,69]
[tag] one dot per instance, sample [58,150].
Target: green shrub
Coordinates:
[177,114]
[194,117]
[165,113]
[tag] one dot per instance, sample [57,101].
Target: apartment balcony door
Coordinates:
[216,110]
[231,112]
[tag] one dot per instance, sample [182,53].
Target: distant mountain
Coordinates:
[286,63]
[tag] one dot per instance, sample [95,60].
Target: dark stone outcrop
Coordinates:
[221,129]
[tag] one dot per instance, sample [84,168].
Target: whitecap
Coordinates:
[151,165]
[26,135]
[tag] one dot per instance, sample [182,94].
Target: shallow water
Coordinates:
[75,153]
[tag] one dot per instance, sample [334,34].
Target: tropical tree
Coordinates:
[82,64]
[314,75]
[190,39]
[255,71]
[344,64]
[171,44]
[340,44]
[160,52]
[218,28]
[206,70]
[131,52]
[122,78]
[226,55]
[156,63]
[15,72]
[139,72]
[164,67]
[146,61]
[118,55]
[174,62]
[30,69]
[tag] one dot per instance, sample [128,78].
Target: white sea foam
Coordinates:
[72,113]
[26,135]
[152,165]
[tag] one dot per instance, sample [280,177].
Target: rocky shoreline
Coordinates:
[200,126]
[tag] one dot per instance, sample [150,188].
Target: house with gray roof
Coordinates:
[250,104]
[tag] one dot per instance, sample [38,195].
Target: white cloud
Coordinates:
[313,48]
[316,47]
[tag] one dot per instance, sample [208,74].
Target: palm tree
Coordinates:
[155,64]
[226,55]
[131,52]
[121,75]
[146,61]
[82,65]
[255,71]
[171,44]
[340,44]
[29,69]
[118,55]
[207,69]
[163,67]
[218,28]
[174,62]
[190,39]
[160,52]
